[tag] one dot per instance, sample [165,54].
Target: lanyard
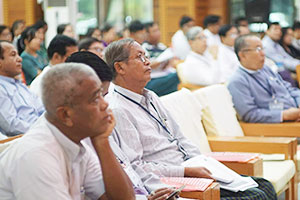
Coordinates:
[269,91]
[180,147]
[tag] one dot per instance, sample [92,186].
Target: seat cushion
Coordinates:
[187,112]
[271,173]
[219,116]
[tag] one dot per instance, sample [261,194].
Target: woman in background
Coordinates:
[286,42]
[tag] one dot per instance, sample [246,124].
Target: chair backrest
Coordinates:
[186,111]
[219,116]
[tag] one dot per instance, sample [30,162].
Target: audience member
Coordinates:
[41,26]
[296,39]
[59,49]
[93,45]
[32,62]
[243,30]
[19,107]
[286,42]
[52,162]
[66,29]
[274,51]
[226,56]
[260,95]
[108,34]
[200,67]
[137,31]
[180,44]
[17,28]
[145,131]
[5,33]
[241,21]
[164,79]
[94,33]
[212,25]
[103,72]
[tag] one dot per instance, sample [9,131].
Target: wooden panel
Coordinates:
[252,168]
[211,193]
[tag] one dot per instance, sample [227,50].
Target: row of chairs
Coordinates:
[207,117]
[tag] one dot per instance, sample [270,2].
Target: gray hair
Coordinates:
[193,32]
[116,52]
[60,83]
[241,43]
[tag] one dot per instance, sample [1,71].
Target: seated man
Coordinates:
[275,51]
[50,161]
[260,95]
[19,107]
[200,67]
[146,132]
[59,49]
[211,31]
[164,79]
[137,31]
[92,45]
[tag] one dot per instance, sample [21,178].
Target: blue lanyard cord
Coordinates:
[180,147]
[270,91]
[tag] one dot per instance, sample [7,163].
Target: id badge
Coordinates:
[276,105]
[132,175]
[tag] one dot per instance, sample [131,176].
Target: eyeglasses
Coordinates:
[143,57]
[99,50]
[257,49]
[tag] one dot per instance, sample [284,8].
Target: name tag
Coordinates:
[276,105]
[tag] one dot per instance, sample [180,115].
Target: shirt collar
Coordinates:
[249,70]
[73,151]
[9,79]
[134,96]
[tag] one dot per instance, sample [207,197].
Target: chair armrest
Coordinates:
[211,193]
[10,138]
[267,145]
[189,86]
[298,73]
[285,129]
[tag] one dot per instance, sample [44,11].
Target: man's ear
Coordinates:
[241,54]
[64,114]
[56,56]
[120,68]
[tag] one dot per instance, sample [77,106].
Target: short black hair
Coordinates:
[2,28]
[148,25]
[272,23]
[239,19]
[28,34]
[101,68]
[40,24]
[106,27]
[296,25]
[61,28]
[90,31]
[59,44]
[85,43]
[224,29]
[136,26]
[184,20]
[211,19]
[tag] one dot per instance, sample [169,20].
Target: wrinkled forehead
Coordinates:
[253,41]
[135,48]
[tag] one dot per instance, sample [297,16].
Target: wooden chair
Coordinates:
[219,119]
[211,193]
[186,110]
[298,74]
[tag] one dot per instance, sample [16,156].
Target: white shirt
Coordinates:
[45,164]
[36,84]
[211,39]
[180,45]
[296,43]
[200,69]
[228,61]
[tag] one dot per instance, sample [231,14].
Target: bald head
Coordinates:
[60,85]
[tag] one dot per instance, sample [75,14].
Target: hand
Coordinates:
[291,114]
[213,50]
[197,172]
[161,194]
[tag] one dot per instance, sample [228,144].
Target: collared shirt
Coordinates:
[275,51]
[200,69]
[143,140]
[228,61]
[36,84]
[211,39]
[180,45]
[253,91]
[19,107]
[45,164]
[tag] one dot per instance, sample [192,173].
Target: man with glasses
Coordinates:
[200,67]
[92,45]
[260,95]
[145,130]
